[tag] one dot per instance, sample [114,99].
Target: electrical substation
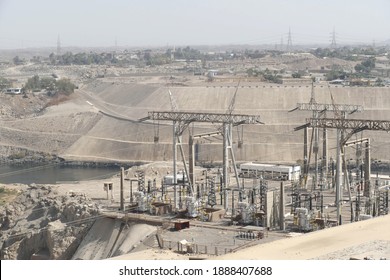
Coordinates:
[258,200]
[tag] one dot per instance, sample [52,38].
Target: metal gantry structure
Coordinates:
[181,120]
[319,109]
[356,125]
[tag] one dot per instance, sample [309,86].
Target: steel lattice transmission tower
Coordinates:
[289,41]
[58,45]
[333,44]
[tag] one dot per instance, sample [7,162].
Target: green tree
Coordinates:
[33,84]
[272,77]
[365,66]
[17,60]
[67,58]
[52,58]
[65,86]
[296,75]
[369,63]
[47,83]
[336,74]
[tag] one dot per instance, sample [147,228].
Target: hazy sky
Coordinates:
[37,23]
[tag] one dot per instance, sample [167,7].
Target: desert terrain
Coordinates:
[100,123]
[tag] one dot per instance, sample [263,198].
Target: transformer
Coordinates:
[246,211]
[302,219]
[142,201]
[192,206]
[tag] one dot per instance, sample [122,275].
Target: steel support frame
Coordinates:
[181,120]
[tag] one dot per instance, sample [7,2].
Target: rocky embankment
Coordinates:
[19,156]
[41,224]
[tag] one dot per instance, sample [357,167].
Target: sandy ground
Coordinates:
[368,238]
[152,254]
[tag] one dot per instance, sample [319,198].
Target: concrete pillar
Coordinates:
[233,210]
[338,177]
[305,150]
[225,167]
[281,211]
[315,151]
[174,147]
[122,199]
[191,160]
[131,191]
[367,170]
[325,161]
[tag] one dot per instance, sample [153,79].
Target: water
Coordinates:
[53,173]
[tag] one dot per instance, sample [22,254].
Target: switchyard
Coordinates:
[255,202]
[214,221]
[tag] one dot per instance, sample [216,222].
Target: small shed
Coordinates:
[182,224]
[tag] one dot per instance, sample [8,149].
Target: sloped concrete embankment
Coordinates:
[276,141]
[110,237]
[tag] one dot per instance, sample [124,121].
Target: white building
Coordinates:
[270,171]
[14,91]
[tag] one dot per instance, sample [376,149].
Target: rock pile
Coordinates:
[40,224]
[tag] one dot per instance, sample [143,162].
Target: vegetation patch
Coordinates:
[52,86]
[18,155]
[7,195]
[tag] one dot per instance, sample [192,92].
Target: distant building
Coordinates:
[337,82]
[212,73]
[14,91]
[181,178]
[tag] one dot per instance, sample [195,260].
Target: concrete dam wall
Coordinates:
[275,141]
